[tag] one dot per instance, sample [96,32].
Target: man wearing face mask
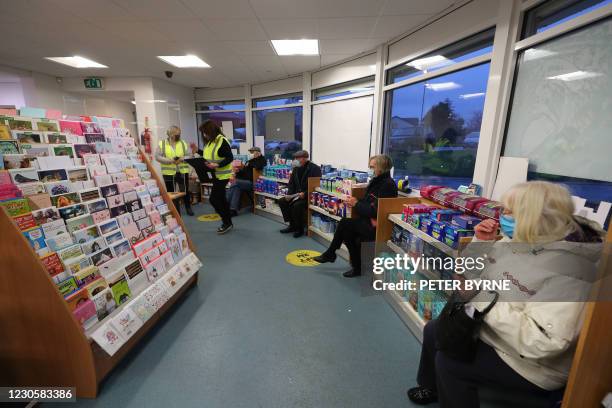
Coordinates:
[243,178]
[294,205]
[353,231]
[171,154]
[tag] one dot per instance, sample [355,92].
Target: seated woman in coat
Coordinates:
[528,338]
[353,231]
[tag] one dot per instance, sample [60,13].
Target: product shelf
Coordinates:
[423,271]
[261,193]
[324,212]
[409,316]
[397,219]
[279,180]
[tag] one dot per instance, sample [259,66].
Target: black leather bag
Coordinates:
[457,332]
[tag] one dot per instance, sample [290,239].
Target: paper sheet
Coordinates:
[228,129]
[511,171]
[260,141]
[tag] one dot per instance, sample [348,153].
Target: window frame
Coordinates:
[359,81]
[219,103]
[254,101]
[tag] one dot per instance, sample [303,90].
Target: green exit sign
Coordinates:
[93,83]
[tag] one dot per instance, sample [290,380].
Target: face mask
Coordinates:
[251,156]
[370,173]
[295,163]
[507,223]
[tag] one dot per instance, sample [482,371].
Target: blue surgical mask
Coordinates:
[295,163]
[370,173]
[507,223]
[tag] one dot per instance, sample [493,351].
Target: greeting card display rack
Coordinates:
[43,344]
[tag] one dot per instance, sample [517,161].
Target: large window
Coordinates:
[471,47]
[281,129]
[552,13]
[229,115]
[560,116]
[432,128]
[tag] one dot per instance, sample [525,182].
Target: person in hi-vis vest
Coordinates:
[218,155]
[171,153]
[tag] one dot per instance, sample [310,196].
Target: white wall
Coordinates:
[11,93]
[219,94]
[175,95]
[282,86]
[354,69]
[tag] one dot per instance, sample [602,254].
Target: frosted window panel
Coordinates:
[561,117]
[342,132]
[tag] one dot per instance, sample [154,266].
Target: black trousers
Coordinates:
[457,383]
[294,212]
[183,183]
[352,232]
[219,202]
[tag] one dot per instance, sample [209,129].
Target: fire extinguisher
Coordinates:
[145,140]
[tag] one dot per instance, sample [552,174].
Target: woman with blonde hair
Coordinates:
[170,154]
[528,338]
[353,231]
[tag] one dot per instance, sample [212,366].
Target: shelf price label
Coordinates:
[93,83]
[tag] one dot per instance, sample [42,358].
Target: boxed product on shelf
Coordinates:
[279,171]
[466,202]
[437,230]
[453,233]
[489,209]
[413,209]
[430,304]
[331,204]
[465,221]
[427,191]
[444,214]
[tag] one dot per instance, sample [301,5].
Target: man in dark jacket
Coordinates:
[295,203]
[353,231]
[243,178]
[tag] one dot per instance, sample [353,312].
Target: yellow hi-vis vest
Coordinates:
[180,150]
[211,153]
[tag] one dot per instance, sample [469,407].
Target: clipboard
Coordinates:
[199,165]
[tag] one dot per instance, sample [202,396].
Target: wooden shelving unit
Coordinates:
[44,345]
[316,234]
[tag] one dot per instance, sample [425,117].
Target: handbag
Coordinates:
[457,332]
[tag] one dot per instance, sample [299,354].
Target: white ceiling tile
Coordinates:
[356,27]
[136,32]
[156,9]
[294,28]
[94,10]
[352,46]
[185,31]
[404,7]
[349,8]
[33,11]
[250,47]
[390,26]
[285,9]
[265,66]
[220,8]
[237,30]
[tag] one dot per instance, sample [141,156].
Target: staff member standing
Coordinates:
[243,178]
[353,231]
[294,204]
[170,154]
[218,155]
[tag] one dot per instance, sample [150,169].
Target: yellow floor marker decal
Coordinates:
[209,217]
[302,257]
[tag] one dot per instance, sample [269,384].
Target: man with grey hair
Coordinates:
[294,204]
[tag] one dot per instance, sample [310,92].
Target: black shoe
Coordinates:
[298,233]
[189,211]
[351,274]
[224,228]
[325,257]
[287,230]
[234,213]
[422,395]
